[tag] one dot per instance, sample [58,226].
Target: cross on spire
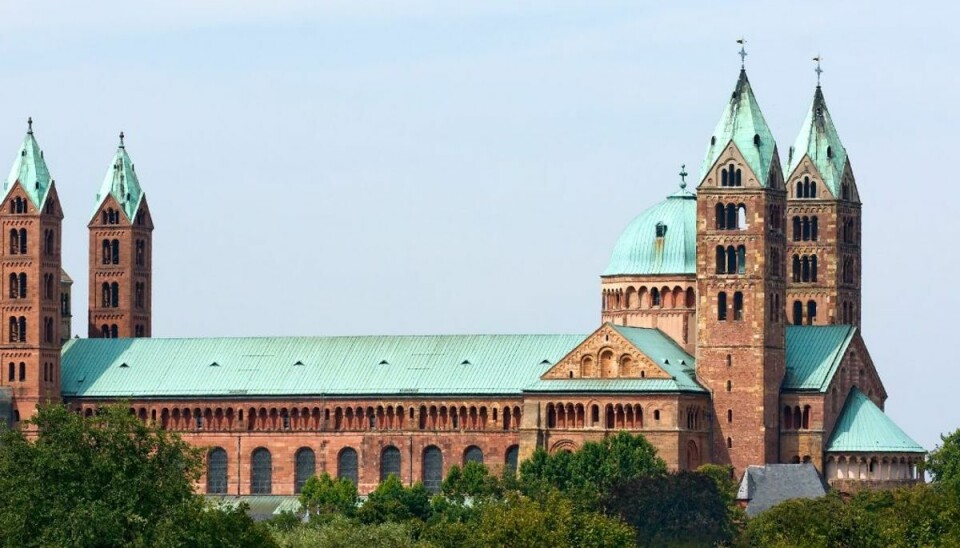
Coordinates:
[121,139]
[818,70]
[30,125]
[743,52]
[683,176]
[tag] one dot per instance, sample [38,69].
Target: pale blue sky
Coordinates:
[451,167]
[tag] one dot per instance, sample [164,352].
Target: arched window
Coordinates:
[737,181]
[721,260]
[731,217]
[729,415]
[813,189]
[741,259]
[797,313]
[729,443]
[47,286]
[141,253]
[731,260]
[796,228]
[806,418]
[741,217]
[105,295]
[23,372]
[806,228]
[432,468]
[473,454]
[114,295]
[389,462]
[811,312]
[261,472]
[813,268]
[347,465]
[814,228]
[23,241]
[114,331]
[106,256]
[721,217]
[105,331]
[512,457]
[729,386]
[799,192]
[655,297]
[48,242]
[217,472]
[14,241]
[738,306]
[11,372]
[305,466]
[115,251]
[722,306]
[805,268]
[796,268]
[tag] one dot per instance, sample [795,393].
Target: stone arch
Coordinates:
[563,445]
[587,367]
[608,367]
[693,455]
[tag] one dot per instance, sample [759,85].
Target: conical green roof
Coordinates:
[863,427]
[121,182]
[743,123]
[819,140]
[640,250]
[31,170]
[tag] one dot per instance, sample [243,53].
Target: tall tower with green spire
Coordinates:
[30,343]
[823,216]
[740,283]
[121,231]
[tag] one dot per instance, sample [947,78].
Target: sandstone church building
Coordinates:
[730,334]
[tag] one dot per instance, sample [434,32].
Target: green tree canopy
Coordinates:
[324,495]
[943,463]
[391,501]
[108,480]
[473,480]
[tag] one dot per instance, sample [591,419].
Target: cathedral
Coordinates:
[730,334]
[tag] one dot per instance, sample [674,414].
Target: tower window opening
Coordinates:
[756,139]
[722,306]
[661,231]
[797,313]
[655,297]
[738,306]
[811,312]
[797,230]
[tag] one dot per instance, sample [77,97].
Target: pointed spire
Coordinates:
[818,140]
[743,123]
[30,169]
[121,182]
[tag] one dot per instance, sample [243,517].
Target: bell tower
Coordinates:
[740,283]
[823,219]
[121,233]
[30,215]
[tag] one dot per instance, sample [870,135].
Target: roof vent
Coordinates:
[545,362]
[124,364]
[661,230]
[666,361]
[298,363]
[683,362]
[465,362]
[713,140]
[384,362]
[829,152]
[756,139]
[214,364]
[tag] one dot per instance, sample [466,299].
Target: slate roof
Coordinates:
[741,121]
[814,353]
[261,507]
[766,486]
[819,140]
[30,169]
[864,427]
[122,183]
[639,251]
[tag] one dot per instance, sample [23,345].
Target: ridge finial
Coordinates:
[818,70]
[121,139]
[743,52]
[30,125]
[683,176]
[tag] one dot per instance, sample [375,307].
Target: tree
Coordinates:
[108,480]
[324,495]
[943,463]
[473,480]
[683,508]
[391,501]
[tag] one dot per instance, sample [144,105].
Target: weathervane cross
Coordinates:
[818,70]
[683,176]
[743,51]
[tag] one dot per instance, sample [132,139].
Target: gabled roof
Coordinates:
[862,427]
[814,353]
[741,121]
[819,140]
[30,169]
[768,485]
[122,183]
[653,344]
[331,366]
[639,251]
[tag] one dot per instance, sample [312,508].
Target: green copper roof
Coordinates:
[121,182]
[640,251]
[819,140]
[31,170]
[813,354]
[302,366]
[654,344]
[740,123]
[863,427]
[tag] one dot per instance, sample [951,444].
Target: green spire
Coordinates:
[819,140]
[121,182]
[743,123]
[30,169]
